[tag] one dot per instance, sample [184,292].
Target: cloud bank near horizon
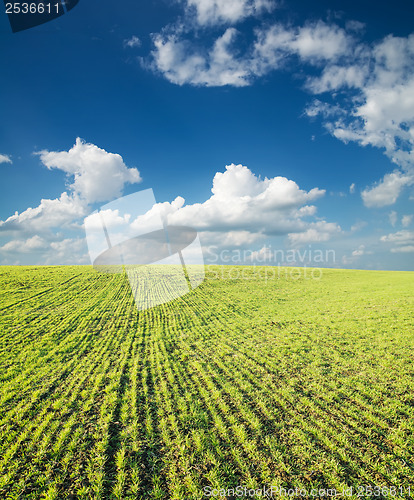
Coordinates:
[242,209]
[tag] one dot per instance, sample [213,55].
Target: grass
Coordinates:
[250,380]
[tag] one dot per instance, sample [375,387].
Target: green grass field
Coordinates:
[252,382]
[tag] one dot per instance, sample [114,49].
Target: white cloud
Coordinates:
[182,62]
[346,261]
[406,220]
[387,119]
[47,215]
[352,188]
[230,239]
[406,249]
[393,217]
[360,251]
[5,159]
[404,240]
[271,47]
[112,220]
[307,210]
[25,246]
[263,255]
[317,232]
[313,43]
[132,42]
[335,76]
[210,12]
[381,111]
[358,226]
[243,202]
[320,41]
[319,108]
[98,175]
[402,237]
[63,252]
[354,25]
[387,190]
[355,255]
[243,209]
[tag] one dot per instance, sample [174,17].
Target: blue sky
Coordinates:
[300,118]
